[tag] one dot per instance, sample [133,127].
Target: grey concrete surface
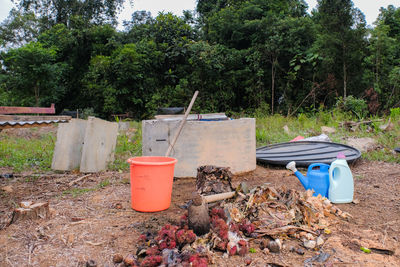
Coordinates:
[228,143]
[100,142]
[68,148]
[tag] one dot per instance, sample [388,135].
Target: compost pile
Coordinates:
[275,212]
[265,214]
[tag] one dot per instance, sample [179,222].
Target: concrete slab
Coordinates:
[227,143]
[68,148]
[100,142]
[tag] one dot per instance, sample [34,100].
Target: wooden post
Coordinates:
[182,123]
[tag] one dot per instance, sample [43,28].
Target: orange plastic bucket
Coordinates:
[151,182]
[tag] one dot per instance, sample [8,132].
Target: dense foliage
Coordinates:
[266,56]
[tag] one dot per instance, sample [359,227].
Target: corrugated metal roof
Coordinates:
[30,123]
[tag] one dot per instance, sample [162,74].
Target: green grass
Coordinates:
[104,183]
[26,154]
[128,145]
[358,176]
[32,178]
[75,192]
[269,130]
[21,154]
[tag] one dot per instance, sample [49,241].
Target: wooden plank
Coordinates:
[32,118]
[27,110]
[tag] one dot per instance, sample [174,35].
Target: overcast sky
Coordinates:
[370,8]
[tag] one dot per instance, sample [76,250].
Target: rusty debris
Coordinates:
[15,110]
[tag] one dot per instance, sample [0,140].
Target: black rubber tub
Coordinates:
[170,111]
[305,153]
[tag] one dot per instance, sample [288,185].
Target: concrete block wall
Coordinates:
[88,145]
[68,148]
[228,143]
[100,142]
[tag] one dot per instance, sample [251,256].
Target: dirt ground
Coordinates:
[93,219]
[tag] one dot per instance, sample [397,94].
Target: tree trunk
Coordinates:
[37,95]
[377,61]
[344,80]
[273,72]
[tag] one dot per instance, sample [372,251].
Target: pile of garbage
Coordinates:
[265,213]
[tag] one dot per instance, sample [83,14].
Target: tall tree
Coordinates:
[33,75]
[383,60]
[33,17]
[144,73]
[61,11]
[341,40]
[390,16]
[273,32]
[18,29]
[76,47]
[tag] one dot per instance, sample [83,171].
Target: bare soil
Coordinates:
[93,219]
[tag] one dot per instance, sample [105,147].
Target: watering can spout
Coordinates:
[303,179]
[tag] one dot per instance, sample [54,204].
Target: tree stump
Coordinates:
[31,211]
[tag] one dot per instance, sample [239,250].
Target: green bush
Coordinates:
[262,110]
[352,104]
[324,117]
[395,113]
[86,112]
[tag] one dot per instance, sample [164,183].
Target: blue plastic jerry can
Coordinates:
[317,179]
[341,181]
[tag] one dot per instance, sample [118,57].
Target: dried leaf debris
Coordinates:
[213,180]
[282,211]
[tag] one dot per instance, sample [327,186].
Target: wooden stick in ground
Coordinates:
[79,179]
[182,123]
[218,197]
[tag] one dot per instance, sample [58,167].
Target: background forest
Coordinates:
[252,56]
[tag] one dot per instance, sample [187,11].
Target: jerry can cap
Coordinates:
[340,155]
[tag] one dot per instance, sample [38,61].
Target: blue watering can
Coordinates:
[317,178]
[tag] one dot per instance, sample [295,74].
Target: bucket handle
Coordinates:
[322,166]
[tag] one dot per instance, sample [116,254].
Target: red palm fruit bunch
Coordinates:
[219,226]
[166,237]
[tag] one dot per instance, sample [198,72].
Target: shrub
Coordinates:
[395,113]
[352,104]
[262,110]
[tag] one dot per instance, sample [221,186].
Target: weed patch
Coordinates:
[22,154]
[269,130]
[128,145]
[104,183]
[75,192]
